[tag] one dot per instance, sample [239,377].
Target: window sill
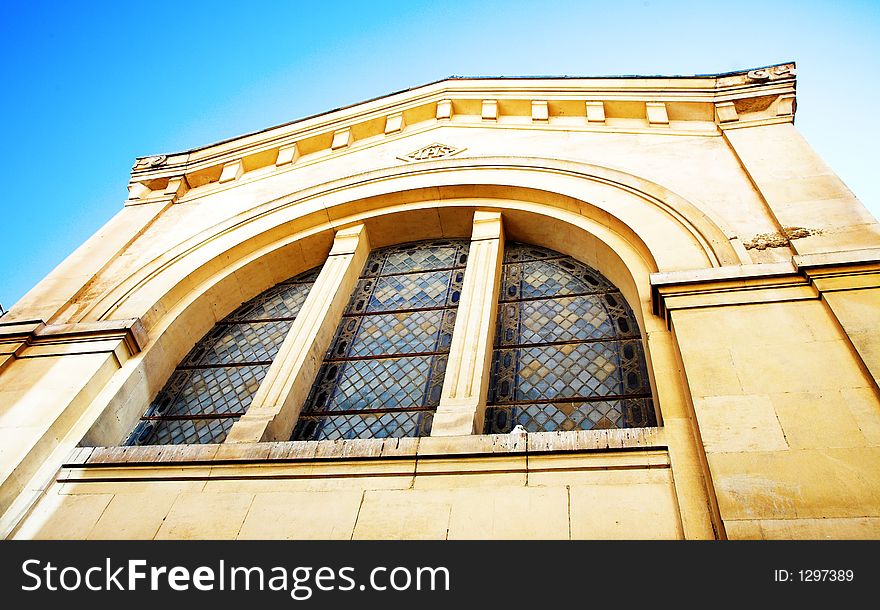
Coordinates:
[429,447]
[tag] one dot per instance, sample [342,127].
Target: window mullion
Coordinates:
[279,399]
[466,384]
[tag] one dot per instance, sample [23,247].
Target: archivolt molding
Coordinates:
[625,205]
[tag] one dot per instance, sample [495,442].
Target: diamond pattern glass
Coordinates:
[182,431]
[241,342]
[383,373]
[386,424]
[563,416]
[400,333]
[216,382]
[210,391]
[282,301]
[568,351]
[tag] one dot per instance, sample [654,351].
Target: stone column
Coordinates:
[463,401]
[280,397]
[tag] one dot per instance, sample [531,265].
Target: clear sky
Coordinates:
[88,86]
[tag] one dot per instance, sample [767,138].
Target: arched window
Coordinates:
[213,386]
[568,353]
[383,373]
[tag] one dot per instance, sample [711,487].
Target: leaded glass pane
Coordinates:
[182,431]
[281,301]
[394,333]
[209,391]
[568,352]
[515,252]
[385,383]
[216,382]
[546,278]
[562,416]
[240,342]
[420,258]
[561,371]
[383,373]
[547,320]
[386,424]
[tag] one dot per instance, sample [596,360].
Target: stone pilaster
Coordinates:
[277,403]
[465,387]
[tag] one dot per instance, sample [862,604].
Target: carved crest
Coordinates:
[431,151]
[150,162]
[773,73]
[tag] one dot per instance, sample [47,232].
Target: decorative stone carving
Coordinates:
[772,73]
[775,240]
[150,162]
[431,151]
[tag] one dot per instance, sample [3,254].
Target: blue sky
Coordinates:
[89,86]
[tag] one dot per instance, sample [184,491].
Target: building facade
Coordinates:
[627,307]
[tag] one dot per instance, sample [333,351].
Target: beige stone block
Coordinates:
[541,476]
[394,123]
[804,483]
[710,372]
[231,171]
[302,516]
[857,312]
[656,112]
[863,528]
[809,366]
[61,517]
[472,444]
[138,472]
[595,112]
[785,105]
[743,530]
[404,515]
[571,440]
[780,324]
[292,450]
[510,514]
[490,110]
[133,516]
[130,487]
[865,408]
[503,470]
[205,516]
[287,155]
[726,112]
[177,187]
[818,420]
[369,447]
[739,423]
[242,451]
[312,484]
[341,139]
[634,512]
[540,111]
[444,109]
[138,190]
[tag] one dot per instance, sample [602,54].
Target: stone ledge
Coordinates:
[867,256]
[371,449]
[37,333]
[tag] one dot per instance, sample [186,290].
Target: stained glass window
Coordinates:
[568,352]
[383,372]
[215,383]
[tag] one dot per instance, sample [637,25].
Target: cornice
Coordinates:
[663,104]
[803,277]
[88,337]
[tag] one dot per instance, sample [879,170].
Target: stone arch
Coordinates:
[210,274]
